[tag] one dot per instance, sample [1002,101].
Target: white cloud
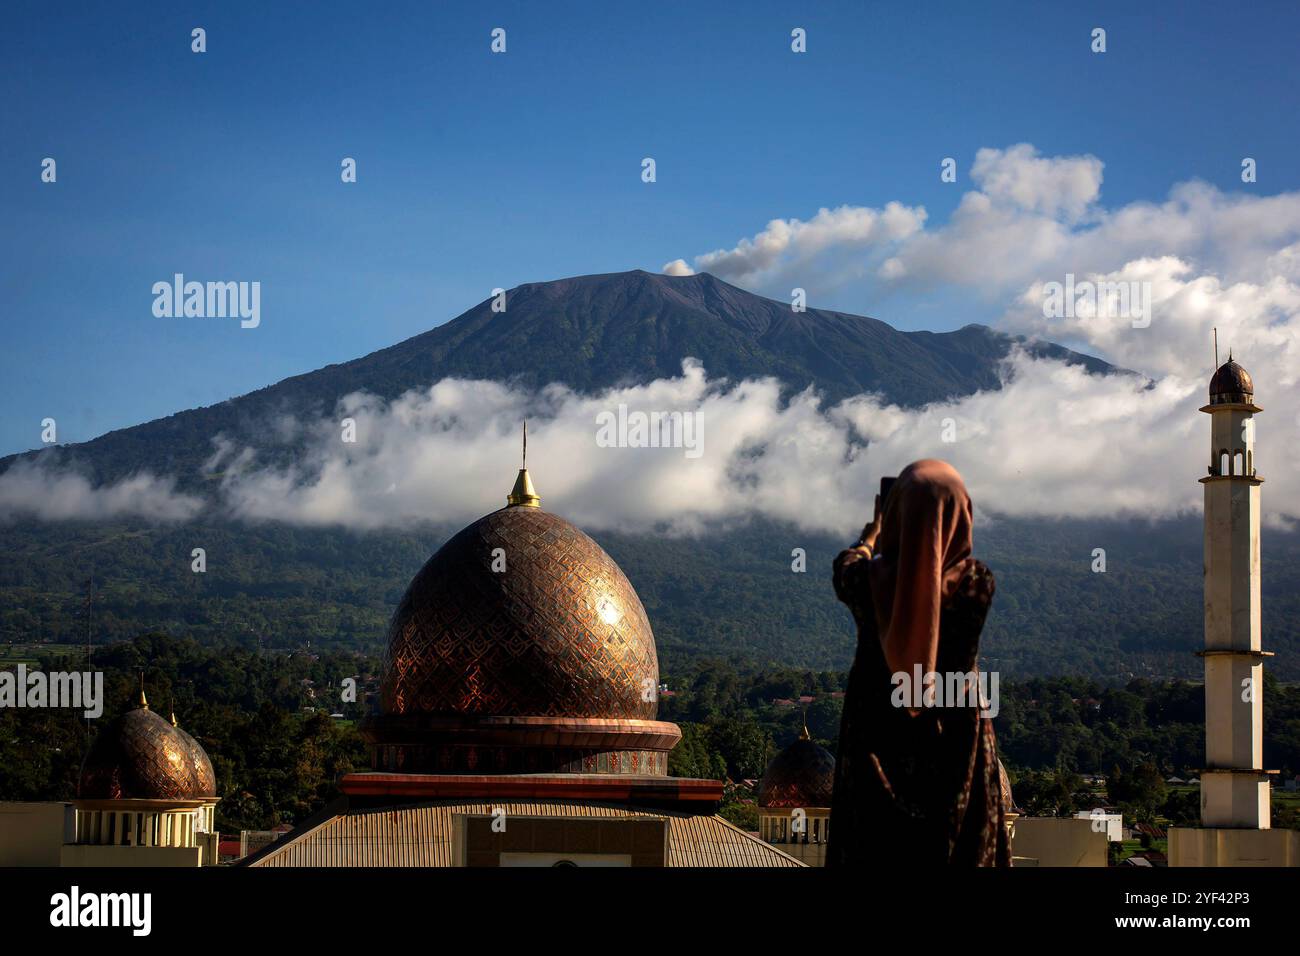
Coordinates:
[36,490]
[1054,186]
[1259,320]
[1029,219]
[789,246]
[1054,442]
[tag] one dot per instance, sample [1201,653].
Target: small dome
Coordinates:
[802,775]
[1231,385]
[141,756]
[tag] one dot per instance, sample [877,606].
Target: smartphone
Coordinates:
[886,484]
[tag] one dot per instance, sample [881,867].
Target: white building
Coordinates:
[1105,821]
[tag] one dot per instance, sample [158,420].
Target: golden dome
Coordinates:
[802,775]
[141,756]
[521,614]
[520,647]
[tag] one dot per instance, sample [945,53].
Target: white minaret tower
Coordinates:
[1234,784]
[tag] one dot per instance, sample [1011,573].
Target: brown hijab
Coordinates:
[922,552]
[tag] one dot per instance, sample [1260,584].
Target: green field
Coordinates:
[14,654]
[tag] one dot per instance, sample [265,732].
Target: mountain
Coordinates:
[590,333]
[729,594]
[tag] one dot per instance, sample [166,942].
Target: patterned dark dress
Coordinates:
[924,790]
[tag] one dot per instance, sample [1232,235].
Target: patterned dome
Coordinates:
[1004,785]
[555,631]
[204,776]
[1231,384]
[141,756]
[802,775]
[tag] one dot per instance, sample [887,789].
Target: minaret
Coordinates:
[1234,784]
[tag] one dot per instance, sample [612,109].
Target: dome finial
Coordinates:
[524,494]
[173,710]
[144,701]
[803,734]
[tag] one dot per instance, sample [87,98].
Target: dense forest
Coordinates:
[264,718]
[728,593]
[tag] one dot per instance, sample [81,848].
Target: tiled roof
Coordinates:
[423,836]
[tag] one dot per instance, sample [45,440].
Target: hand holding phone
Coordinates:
[872,529]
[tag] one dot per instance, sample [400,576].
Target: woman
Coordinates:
[916,785]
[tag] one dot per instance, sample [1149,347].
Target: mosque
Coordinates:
[517,722]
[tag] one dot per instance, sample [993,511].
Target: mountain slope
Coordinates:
[592,332]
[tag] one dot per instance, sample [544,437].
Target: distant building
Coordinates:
[1107,821]
[1058,841]
[251,841]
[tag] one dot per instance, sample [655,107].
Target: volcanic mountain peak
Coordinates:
[593,332]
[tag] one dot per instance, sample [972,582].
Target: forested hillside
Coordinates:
[728,593]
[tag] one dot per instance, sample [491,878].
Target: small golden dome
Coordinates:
[801,775]
[1231,384]
[141,756]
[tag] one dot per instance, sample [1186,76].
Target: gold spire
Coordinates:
[803,734]
[524,494]
[173,709]
[144,701]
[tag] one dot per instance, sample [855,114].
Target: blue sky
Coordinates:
[478,170]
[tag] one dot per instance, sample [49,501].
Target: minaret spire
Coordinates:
[144,701]
[523,494]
